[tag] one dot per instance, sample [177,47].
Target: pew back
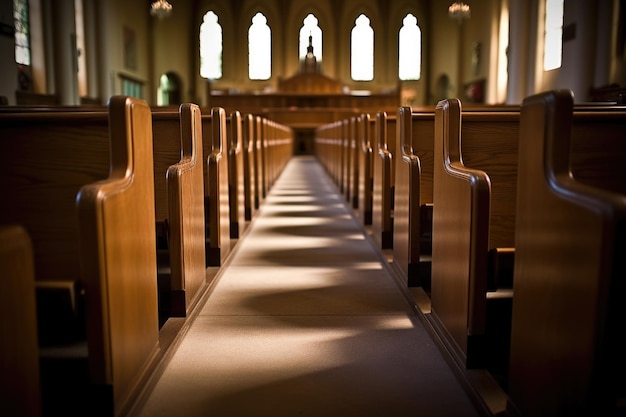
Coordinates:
[120,273]
[217,212]
[249,132]
[567,324]
[365,141]
[236,187]
[413,195]
[384,159]
[179,189]
[19,354]
[81,183]
[474,198]
[352,147]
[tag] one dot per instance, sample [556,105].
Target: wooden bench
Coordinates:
[474,194]
[413,185]
[281,148]
[261,159]
[236,186]
[216,209]
[19,352]
[384,159]
[341,139]
[248,146]
[352,160]
[413,195]
[329,150]
[567,345]
[365,142]
[81,184]
[179,209]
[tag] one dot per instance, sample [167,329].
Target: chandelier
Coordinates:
[161,9]
[459,11]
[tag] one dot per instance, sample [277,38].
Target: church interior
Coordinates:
[286,207]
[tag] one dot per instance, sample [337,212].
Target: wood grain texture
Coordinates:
[19,353]
[118,257]
[474,194]
[365,139]
[567,322]
[413,188]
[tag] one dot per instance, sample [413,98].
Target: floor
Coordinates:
[306,319]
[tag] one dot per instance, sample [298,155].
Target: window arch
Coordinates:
[409,49]
[553,40]
[310,27]
[259,48]
[210,47]
[362,50]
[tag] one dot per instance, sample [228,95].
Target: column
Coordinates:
[65,58]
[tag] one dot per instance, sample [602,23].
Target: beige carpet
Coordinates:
[305,320]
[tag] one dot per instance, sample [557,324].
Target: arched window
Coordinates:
[22,32]
[410,49]
[311,28]
[362,50]
[210,47]
[553,41]
[259,49]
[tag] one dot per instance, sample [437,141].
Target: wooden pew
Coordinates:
[249,136]
[179,209]
[261,160]
[81,183]
[342,138]
[274,148]
[282,148]
[413,185]
[236,196]
[413,195]
[329,151]
[567,345]
[269,154]
[353,168]
[338,152]
[216,209]
[474,193]
[384,160]
[19,352]
[365,140]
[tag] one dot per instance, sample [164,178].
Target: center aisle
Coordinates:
[306,320]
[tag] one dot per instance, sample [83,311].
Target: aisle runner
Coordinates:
[305,321]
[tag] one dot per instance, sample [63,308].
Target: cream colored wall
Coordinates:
[449,36]
[443,54]
[114,16]
[173,49]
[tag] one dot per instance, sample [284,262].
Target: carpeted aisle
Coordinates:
[305,320]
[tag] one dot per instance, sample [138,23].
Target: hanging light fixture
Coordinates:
[459,11]
[161,9]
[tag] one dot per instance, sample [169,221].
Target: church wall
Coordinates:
[443,56]
[170,53]
[124,46]
[129,42]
